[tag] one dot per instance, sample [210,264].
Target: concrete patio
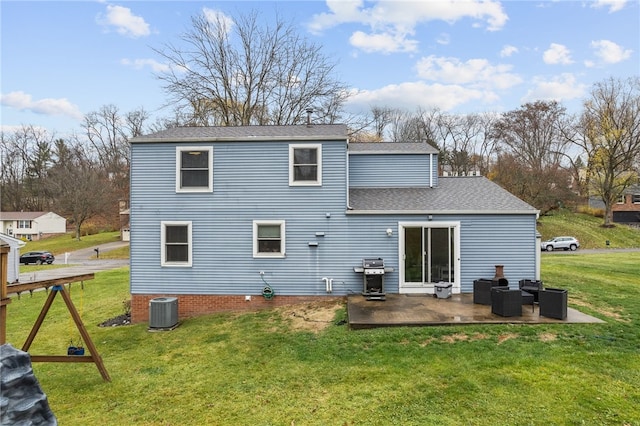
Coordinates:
[425,310]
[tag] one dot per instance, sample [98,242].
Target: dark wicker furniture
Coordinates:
[553,303]
[531,286]
[506,302]
[482,289]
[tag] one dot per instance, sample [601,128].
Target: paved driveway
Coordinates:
[80,262]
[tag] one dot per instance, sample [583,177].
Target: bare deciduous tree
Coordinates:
[235,71]
[610,136]
[82,189]
[533,138]
[533,133]
[108,132]
[26,157]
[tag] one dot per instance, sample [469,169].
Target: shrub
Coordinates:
[591,211]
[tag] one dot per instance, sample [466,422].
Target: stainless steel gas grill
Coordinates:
[373,278]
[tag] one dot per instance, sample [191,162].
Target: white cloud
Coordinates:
[125,22]
[48,106]
[384,43]
[613,5]
[508,50]
[396,20]
[557,54]
[609,52]
[139,64]
[411,95]
[560,88]
[444,39]
[475,72]
[215,16]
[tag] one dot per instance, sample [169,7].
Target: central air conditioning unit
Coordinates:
[163,312]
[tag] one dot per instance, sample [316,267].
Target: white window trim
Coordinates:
[318,181]
[283,251]
[163,255]
[633,197]
[179,150]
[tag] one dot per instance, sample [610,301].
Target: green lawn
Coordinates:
[58,245]
[256,369]
[588,230]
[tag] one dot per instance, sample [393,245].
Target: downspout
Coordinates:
[347,177]
[431,170]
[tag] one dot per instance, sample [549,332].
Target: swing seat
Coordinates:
[75,350]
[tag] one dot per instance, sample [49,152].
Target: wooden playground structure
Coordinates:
[55,286]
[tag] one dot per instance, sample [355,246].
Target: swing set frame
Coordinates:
[56,286]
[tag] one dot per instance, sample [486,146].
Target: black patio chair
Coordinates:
[553,303]
[532,287]
[482,289]
[506,302]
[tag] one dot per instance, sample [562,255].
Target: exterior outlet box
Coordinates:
[247,298]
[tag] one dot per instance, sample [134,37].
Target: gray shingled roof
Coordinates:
[244,133]
[21,215]
[391,148]
[452,195]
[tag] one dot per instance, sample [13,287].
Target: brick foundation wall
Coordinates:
[195,305]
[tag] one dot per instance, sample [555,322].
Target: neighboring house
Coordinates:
[220,213]
[32,225]
[627,208]
[13,263]
[125,232]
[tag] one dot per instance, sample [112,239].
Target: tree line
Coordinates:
[229,71]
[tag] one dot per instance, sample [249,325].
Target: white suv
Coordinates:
[565,243]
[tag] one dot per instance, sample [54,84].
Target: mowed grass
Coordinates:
[256,369]
[61,244]
[588,230]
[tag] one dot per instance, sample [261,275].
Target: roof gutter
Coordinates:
[145,139]
[445,212]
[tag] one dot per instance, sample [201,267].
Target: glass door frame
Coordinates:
[427,287]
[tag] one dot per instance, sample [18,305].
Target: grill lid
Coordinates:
[373,262]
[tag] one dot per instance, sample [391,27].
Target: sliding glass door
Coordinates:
[428,254]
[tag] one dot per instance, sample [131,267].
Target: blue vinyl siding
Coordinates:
[392,170]
[251,182]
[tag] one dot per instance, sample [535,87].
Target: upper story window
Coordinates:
[24,224]
[305,165]
[176,244]
[635,198]
[268,238]
[620,199]
[194,169]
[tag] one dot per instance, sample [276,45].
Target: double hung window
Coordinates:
[176,244]
[268,238]
[194,169]
[305,165]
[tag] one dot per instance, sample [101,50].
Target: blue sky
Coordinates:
[63,59]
